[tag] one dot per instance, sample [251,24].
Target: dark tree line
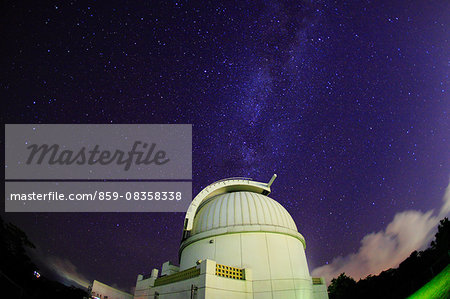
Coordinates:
[17,272]
[414,272]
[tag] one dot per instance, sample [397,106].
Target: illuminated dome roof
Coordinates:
[233,222]
[242,210]
[236,205]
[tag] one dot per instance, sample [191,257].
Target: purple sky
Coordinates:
[346,102]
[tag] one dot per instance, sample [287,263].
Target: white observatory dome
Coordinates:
[239,210]
[234,223]
[237,243]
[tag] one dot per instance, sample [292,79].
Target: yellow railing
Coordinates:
[230,272]
[183,275]
[317,280]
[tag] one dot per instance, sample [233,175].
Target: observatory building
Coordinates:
[237,243]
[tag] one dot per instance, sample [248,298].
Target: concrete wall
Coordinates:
[102,290]
[208,285]
[320,291]
[277,261]
[211,286]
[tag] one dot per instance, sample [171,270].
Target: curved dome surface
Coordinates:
[241,209]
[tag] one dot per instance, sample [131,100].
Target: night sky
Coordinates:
[346,101]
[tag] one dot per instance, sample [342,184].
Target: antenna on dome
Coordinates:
[271,180]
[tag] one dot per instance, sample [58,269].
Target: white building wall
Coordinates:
[102,290]
[211,286]
[277,261]
[232,223]
[320,291]
[208,285]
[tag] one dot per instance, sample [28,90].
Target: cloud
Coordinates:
[408,231]
[60,269]
[67,271]
[445,210]
[64,271]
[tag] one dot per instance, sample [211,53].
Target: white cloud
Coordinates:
[60,269]
[67,271]
[408,231]
[445,210]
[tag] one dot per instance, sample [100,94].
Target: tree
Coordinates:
[441,243]
[17,271]
[15,265]
[415,271]
[342,287]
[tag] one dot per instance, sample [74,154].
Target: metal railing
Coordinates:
[183,275]
[317,281]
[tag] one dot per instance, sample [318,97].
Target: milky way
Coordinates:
[346,102]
